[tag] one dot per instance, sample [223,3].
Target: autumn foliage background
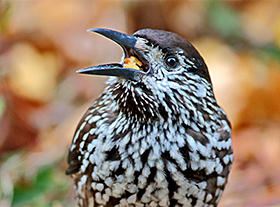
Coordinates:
[43,43]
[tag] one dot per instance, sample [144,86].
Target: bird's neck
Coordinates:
[155,123]
[176,105]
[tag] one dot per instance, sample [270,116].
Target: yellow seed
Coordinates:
[132,62]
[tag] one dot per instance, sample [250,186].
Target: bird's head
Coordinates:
[159,70]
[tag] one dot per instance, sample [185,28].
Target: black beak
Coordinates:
[127,42]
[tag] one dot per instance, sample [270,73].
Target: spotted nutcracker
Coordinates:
[156,135]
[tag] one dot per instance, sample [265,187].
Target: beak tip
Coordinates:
[91,30]
[97,30]
[80,71]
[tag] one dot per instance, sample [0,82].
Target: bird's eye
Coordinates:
[171,61]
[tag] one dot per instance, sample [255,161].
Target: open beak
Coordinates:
[134,64]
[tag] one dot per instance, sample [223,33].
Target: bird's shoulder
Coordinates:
[92,120]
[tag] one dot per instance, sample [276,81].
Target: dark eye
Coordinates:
[171,61]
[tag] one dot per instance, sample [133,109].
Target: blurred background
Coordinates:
[43,43]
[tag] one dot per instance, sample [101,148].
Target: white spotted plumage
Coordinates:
[167,143]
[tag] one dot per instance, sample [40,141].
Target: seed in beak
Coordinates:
[133,62]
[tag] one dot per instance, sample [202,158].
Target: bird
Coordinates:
[156,135]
